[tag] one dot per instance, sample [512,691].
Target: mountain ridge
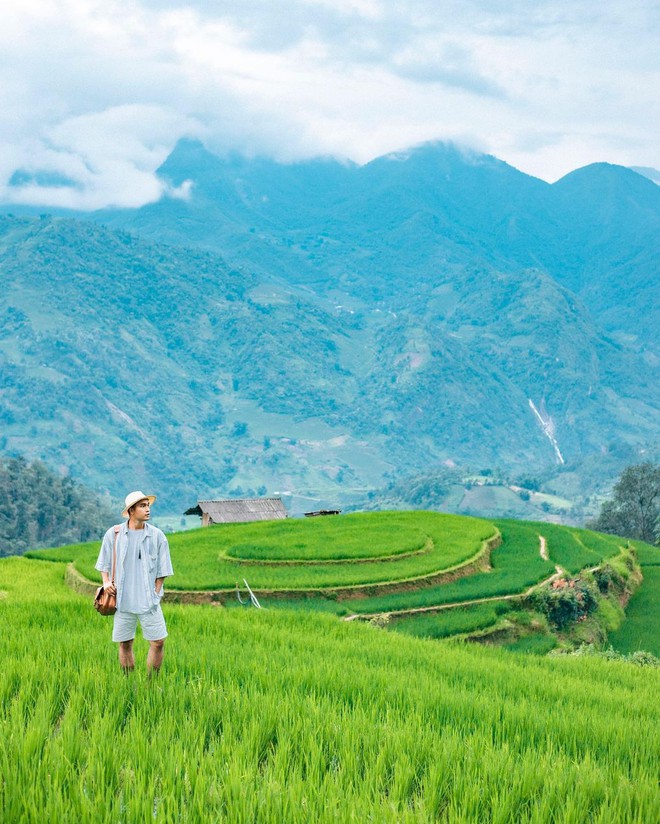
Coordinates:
[388,215]
[357,325]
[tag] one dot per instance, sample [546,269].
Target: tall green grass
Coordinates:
[641,628]
[534,644]
[266,716]
[648,555]
[449,622]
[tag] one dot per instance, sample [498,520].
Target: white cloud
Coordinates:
[97,93]
[103,158]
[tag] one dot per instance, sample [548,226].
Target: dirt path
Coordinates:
[543,548]
[439,607]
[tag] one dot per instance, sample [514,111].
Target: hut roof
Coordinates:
[241,510]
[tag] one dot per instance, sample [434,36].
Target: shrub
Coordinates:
[640,658]
[603,578]
[566,605]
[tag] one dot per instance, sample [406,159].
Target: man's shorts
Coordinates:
[152,623]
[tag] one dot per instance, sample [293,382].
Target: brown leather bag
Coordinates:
[104,603]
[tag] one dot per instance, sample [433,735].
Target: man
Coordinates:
[143,563]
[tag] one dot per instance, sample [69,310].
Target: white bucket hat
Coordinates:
[132,498]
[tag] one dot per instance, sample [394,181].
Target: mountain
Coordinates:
[322,326]
[127,363]
[647,171]
[611,248]
[377,231]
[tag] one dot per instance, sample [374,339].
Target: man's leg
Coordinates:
[155,632]
[155,656]
[126,657]
[123,633]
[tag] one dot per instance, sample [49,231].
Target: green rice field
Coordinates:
[516,565]
[641,628]
[271,716]
[450,622]
[348,545]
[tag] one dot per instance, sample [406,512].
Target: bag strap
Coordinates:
[114,554]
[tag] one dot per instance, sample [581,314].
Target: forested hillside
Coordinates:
[429,309]
[385,229]
[41,509]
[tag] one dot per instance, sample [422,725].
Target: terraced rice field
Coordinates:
[516,565]
[445,623]
[268,716]
[641,629]
[310,554]
[370,563]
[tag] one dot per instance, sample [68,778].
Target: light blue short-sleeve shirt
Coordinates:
[135,597]
[151,561]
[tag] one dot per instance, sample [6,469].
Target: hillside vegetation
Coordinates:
[321,329]
[268,716]
[40,508]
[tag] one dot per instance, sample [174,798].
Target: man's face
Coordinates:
[141,510]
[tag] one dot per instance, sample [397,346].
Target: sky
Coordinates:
[95,93]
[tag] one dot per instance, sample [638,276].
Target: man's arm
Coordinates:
[107,583]
[104,561]
[164,567]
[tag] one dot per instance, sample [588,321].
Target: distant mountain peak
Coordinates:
[648,172]
[610,182]
[433,150]
[600,171]
[188,155]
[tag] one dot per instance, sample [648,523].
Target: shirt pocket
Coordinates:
[153,557]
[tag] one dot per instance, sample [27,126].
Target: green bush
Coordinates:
[604,577]
[566,606]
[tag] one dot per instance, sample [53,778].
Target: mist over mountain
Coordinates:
[322,326]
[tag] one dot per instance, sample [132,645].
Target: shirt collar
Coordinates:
[147,529]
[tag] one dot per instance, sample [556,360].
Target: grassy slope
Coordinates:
[272,716]
[641,627]
[452,621]
[516,566]
[200,562]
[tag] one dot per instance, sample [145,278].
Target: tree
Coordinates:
[634,509]
[39,508]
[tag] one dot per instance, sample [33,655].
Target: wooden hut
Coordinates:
[242,510]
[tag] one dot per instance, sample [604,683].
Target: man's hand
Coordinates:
[111,588]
